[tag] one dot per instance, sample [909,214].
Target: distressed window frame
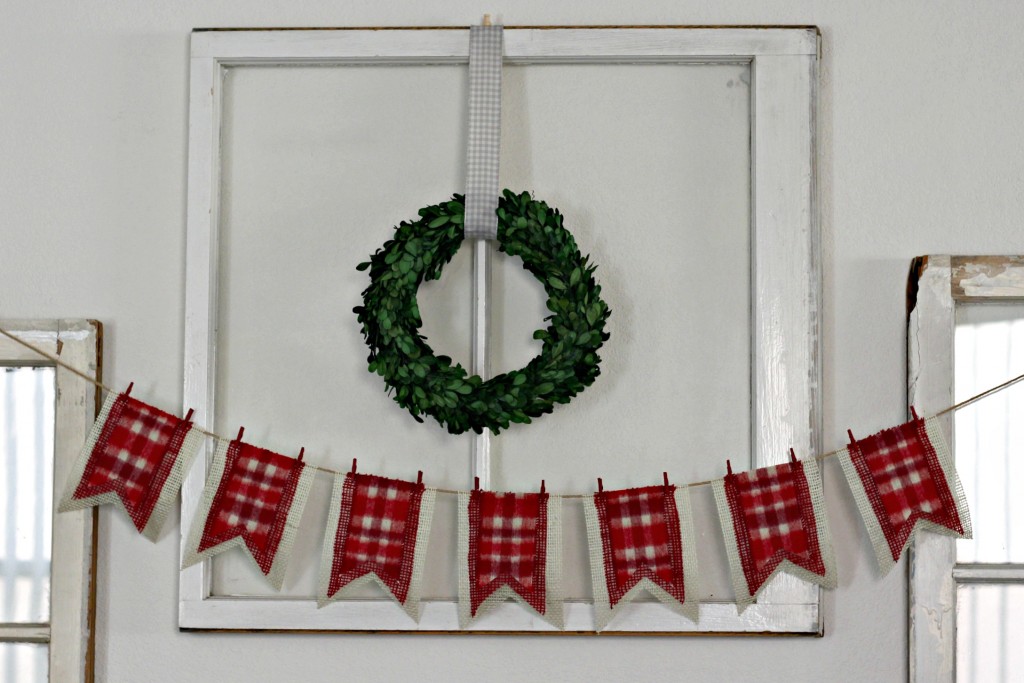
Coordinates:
[785,284]
[938,283]
[70,632]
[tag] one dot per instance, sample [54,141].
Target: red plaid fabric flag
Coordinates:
[136,456]
[253,498]
[903,478]
[641,539]
[377,531]
[511,548]
[773,519]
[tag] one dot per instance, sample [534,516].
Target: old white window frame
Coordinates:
[937,285]
[70,632]
[785,282]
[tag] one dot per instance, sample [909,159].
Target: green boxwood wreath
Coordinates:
[427,384]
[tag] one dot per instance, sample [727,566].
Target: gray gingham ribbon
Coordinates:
[484,140]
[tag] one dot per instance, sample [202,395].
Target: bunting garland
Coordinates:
[253,498]
[377,531]
[773,519]
[903,479]
[641,539]
[510,546]
[136,457]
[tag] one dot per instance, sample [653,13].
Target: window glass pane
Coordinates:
[990,434]
[26,492]
[989,631]
[674,266]
[24,662]
[319,164]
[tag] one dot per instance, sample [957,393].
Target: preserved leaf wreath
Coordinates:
[428,384]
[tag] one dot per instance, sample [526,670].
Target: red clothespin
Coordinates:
[241,430]
[664,476]
[849,433]
[728,467]
[476,483]
[129,389]
[302,452]
[419,477]
[354,465]
[914,413]
[600,485]
[542,491]
[792,455]
[188,417]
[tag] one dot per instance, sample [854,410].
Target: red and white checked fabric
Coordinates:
[508,538]
[773,519]
[135,456]
[253,497]
[641,539]
[512,547]
[378,530]
[903,478]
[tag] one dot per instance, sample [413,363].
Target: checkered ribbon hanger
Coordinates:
[377,532]
[904,479]
[483,147]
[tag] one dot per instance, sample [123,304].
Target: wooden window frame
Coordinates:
[785,282]
[70,633]
[937,284]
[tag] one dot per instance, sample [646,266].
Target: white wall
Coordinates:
[920,150]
